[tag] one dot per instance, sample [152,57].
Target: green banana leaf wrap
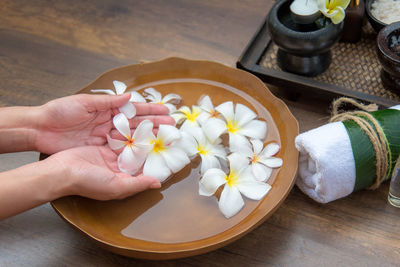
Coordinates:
[363,152]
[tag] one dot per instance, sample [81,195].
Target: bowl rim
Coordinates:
[382,40]
[218,240]
[371,16]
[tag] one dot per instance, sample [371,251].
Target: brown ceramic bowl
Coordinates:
[175,221]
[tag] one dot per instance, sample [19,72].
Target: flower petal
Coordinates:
[203,117]
[322,4]
[114,144]
[198,134]
[237,162]
[107,91]
[270,150]
[254,129]
[175,158]
[130,161]
[168,134]
[341,3]
[136,97]
[209,162]
[226,109]
[129,110]
[172,98]
[188,144]
[120,87]
[213,129]
[205,103]
[121,123]
[230,202]
[253,189]
[272,162]
[211,181]
[153,95]
[155,166]
[187,124]
[257,145]
[178,116]
[144,133]
[170,107]
[338,16]
[239,143]
[243,114]
[261,172]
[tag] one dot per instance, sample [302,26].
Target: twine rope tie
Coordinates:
[371,127]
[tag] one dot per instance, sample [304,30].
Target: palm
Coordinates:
[71,124]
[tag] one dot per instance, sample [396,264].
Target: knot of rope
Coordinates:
[371,128]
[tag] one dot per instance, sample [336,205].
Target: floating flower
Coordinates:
[169,100]
[194,142]
[333,9]
[165,156]
[128,109]
[237,124]
[188,116]
[238,181]
[135,147]
[261,160]
[208,110]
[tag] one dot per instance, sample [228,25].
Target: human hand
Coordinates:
[92,171]
[82,120]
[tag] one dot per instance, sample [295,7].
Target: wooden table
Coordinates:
[50,49]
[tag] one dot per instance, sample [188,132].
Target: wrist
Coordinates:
[18,131]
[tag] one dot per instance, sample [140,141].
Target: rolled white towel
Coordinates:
[326,163]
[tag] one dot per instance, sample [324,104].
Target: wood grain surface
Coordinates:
[50,49]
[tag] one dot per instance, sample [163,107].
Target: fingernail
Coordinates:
[155,185]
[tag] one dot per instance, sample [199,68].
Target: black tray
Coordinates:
[252,58]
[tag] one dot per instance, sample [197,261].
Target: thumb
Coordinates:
[105,102]
[135,184]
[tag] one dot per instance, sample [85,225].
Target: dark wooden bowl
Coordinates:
[389,59]
[376,24]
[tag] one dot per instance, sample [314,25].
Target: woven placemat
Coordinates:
[354,66]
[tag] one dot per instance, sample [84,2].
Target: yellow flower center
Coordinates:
[255,159]
[191,116]
[231,180]
[202,150]
[158,145]
[129,142]
[232,126]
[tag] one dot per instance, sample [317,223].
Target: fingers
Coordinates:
[104,102]
[133,185]
[150,109]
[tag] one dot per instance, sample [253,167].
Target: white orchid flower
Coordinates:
[238,181]
[261,158]
[194,142]
[136,146]
[188,116]
[165,157]
[208,110]
[169,100]
[128,109]
[238,124]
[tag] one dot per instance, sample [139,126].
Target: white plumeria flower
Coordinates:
[188,116]
[208,110]
[128,109]
[261,159]
[238,124]
[136,146]
[238,181]
[169,100]
[194,142]
[165,157]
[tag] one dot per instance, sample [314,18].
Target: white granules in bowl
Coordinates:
[387,11]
